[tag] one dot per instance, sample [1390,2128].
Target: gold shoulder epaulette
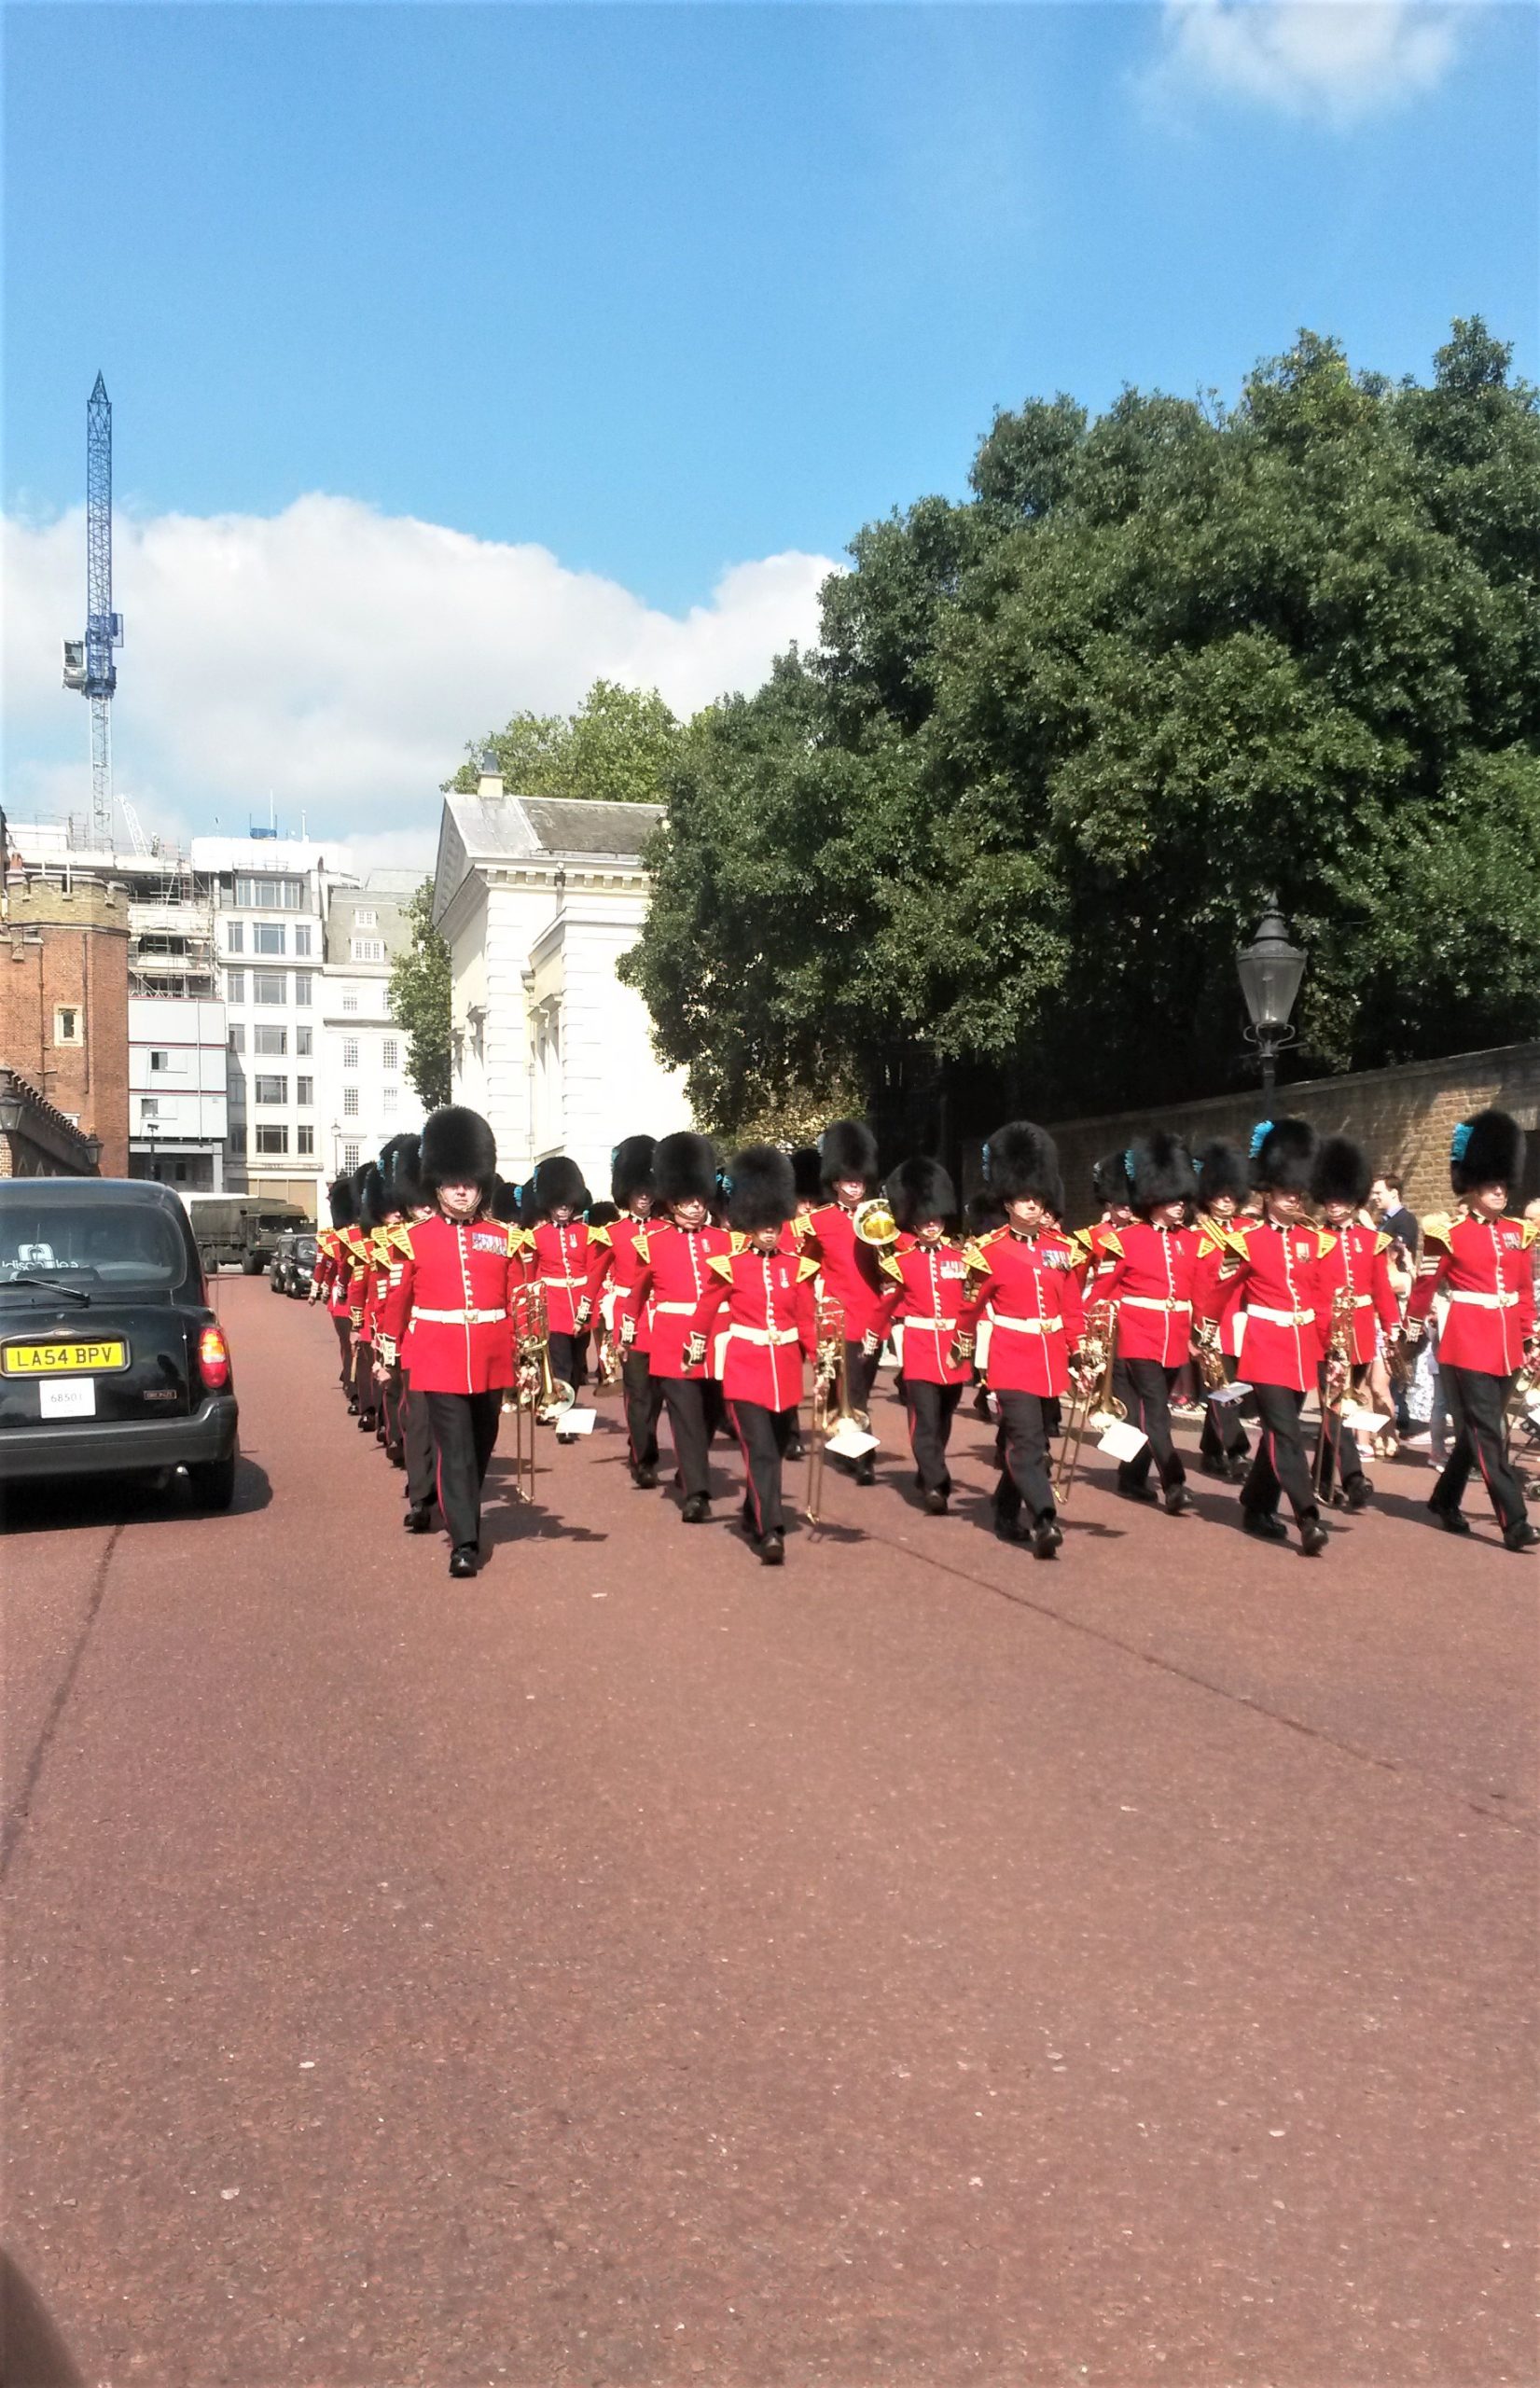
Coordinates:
[890,1266]
[1112,1242]
[403,1242]
[600,1234]
[739,1242]
[1327,1238]
[722,1261]
[1080,1240]
[1528,1231]
[1382,1242]
[806,1269]
[1437,1229]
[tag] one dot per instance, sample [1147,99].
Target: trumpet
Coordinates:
[1095,1401]
[536,1391]
[828,1375]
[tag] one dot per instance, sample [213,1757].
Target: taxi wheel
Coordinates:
[213,1482]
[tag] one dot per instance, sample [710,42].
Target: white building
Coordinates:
[177,1114]
[364,1092]
[537,899]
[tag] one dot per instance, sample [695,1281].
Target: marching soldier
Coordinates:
[1355,1279]
[807,1169]
[1277,1275]
[850,1268]
[1482,1260]
[929,1296]
[460,1271]
[676,1252]
[1222,1188]
[360,1242]
[558,1256]
[1155,1260]
[329,1282]
[1112,1188]
[619,1251]
[763,1285]
[1026,1284]
[407,1195]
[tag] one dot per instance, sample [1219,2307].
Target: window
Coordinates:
[301,938]
[350,1103]
[235,986]
[269,895]
[365,920]
[303,988]
[387,1098]
[367,948]
[267,937]
[269,1040]
[237,1037]
[238,1137]
[272,1090]
[304,1092]
[349,1002]
[272,1140]
[350,1156]
[350,1052]
[390,1054]
[304,1041]
[149,1106]
[304,1140]
[66,1024]
[268,986]
[159,1060]
[235,937]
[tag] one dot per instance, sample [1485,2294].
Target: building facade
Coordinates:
[65,996]
[365,1096]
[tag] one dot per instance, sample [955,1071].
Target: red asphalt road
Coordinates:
[926,1965]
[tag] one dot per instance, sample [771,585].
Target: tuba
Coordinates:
[1094,1402]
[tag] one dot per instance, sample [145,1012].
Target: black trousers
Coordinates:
[930,1409]
[763,1435]
[1021,1453]
[1339,1455]
[464,1432]
[644,1398]
[1475,1405]
[1144,1387]
[422,1485]
[365,1391]
[1223,1436]
[860,1375]
[1281,1464]
[695,1412]
[344,1346]
[564,1358]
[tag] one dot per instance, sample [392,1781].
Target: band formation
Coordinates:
[714,1295]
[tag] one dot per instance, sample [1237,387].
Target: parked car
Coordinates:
[110,1357]
[293,1264]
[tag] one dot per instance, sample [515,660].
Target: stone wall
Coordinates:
[66,947]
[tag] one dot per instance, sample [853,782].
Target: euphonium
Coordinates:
[875,1225]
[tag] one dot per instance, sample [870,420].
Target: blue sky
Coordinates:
[669,291]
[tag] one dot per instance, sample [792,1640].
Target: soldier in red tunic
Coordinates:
[1355,1271]
[763,1284]
[558,1256]
[359,1241]
[332,1272]
[1222,1188]
[460,1270]
[929,1295]
[1483,1261]
[674,1252]
[850,1269]
[616,1253]
[409,1196]
[1156,1259]
[1026,1284]
[1113,1189]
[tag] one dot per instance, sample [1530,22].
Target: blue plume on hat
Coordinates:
[1259,1136]
[1460,1142]
[1128,1162]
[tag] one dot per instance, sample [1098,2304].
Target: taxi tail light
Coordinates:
[213,1358]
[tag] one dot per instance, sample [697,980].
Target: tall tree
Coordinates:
[418,999]
[617,748]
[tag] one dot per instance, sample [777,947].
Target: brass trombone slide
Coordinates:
[1093,1395]
[828,1376]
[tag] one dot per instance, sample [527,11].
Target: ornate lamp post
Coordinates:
[1270,971]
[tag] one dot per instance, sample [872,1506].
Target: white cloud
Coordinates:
[1336,60]
[338,659]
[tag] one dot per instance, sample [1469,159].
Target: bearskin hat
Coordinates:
[458,1148]
[762,1189]
[342,1202]
[630,1168]
[1022,1161]
[1110,1181]
[917,1191]
[1488,1150]
[984,1212]
[1222,1170]
[683,1168]
[1163,1171]
[559,1180]
[506,1202]
[1341,1173]
[1283,1153]
[603,1214]
[369,1187]
[847,1149]
[398,1167]
[807,1168]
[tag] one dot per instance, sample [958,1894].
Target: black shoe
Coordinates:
[935,1505]
[1142,1491]
[1264,1525]
[1314,1539]
[1007,1525]
[1451,1519]
[1047,1536]
[795,1450]
[1523,1536]
[352,1408]
[696,1510]
[1360,1493]
[772,1550]
[419,1521]
[462,1562]
[397,1454]
[1213,1466]
[866,1469]
[644,1479]
[1178,1501]
[366,1424]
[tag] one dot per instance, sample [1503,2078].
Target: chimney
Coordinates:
[490,785]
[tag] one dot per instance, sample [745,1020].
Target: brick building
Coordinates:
[64,1001]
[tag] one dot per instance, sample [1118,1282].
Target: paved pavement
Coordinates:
[926,1965]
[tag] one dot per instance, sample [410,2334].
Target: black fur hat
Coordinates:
[847,1149]
[603,1214]
[1488,1150]
[763,1189]
[342,1202]
[1021,1159]
[807,1168]
[984,1212]
[369,1187]
[1283,1154]
[504,1204]
[1341,1173]
[1111,1182]
[1222,1170]
[1162,1172]
[398,1167]
[917,1191]
[630,1168]
[559,1180]
[684,1169]
[458,1148]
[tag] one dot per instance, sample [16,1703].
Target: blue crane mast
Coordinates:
[88,666]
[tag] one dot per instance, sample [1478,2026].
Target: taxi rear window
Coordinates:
[121,1245]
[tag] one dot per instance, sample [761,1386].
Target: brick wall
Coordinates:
[1403,1118]
[67,948]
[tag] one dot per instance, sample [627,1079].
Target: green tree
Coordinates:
[418,998]
[616,749]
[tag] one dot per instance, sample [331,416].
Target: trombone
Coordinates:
[1339,1378]
[534,1391]
[1095,1401]
[828,1375]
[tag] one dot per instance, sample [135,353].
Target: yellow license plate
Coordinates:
[61,1359]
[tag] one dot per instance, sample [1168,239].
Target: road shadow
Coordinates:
[68,1504]
[32,2354]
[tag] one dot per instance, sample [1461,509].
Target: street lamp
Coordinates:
[336,1148]
[1271,970]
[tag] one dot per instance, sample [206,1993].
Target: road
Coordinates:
[926,1965]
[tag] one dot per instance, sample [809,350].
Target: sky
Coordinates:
[460,355]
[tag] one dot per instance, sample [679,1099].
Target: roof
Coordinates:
[527,828]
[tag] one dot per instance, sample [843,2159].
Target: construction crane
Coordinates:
[88,666]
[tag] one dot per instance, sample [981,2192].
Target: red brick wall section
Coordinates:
[69,947]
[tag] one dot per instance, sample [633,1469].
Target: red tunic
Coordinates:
[454,1294]
[1278,1282]
[617,1251]
[339,1301]
[1355,1263]
[1152,1279]
[850,1268]
[324,1267]
[377,1277]
[1093,1260]
[929,1294]
[560,1260]
[1484,1268]
[1028,1288]
[674,1277]
[768,1296]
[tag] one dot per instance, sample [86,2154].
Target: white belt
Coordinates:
[460,1317]
[1031,1325]
[928,1326]
[1363,1301]
[674,1310]
[1147,1301]
[562,1285]
[1487,1301]
[1281,1317]
[765,1334]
